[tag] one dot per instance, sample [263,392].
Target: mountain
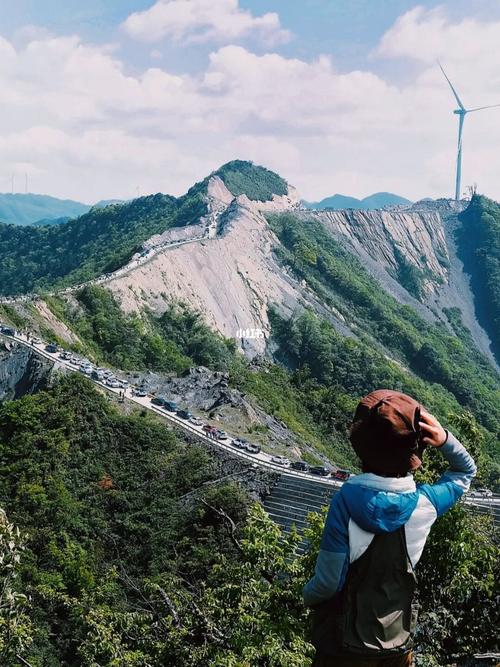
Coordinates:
[377,200]
[385,288]
[269,321]
[27,209]
[104,239]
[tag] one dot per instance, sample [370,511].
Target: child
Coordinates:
[362,592]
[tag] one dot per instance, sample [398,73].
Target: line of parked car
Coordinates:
[209,430]
[103,375]
[322,471]
[106,376]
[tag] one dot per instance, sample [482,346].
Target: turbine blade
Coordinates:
[453,89]
[490,106]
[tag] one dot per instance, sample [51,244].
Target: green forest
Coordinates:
[124,545]
[104,239]
[97,242]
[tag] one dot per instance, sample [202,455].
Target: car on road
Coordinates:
[322,471]
[340,474]
[158,400]
[97,375]
[113,383]
[221,435]
[8,331]
[140,392]
[240,443]
[252,448]
[52,348]
[196,421]
[302,466]
[210,430]
[36,341]
[184,414]
[171,406]
[280,460]
[486,493]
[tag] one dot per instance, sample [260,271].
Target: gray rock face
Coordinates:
[423,233]
[231,278]
[21,371]
[207,393]
[417,234]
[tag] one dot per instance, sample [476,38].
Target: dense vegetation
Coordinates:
[98,242]
[479,245]
[175,341]
[410,276]
[257,183]
[135,551]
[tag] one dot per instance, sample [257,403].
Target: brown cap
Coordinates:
[385,433]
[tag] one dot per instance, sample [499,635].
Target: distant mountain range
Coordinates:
[31,209]
[377,200]
[28,209]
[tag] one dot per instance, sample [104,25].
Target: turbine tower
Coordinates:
[461,113]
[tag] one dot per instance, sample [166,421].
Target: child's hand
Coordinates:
[432,431]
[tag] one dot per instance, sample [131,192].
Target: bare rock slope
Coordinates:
[231,278]
[231,275]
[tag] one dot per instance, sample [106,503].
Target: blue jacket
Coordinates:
[368,504]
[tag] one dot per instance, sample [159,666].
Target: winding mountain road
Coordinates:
[313,487]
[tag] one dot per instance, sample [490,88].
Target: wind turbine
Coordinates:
[461,113]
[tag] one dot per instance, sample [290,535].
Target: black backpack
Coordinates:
[375,613]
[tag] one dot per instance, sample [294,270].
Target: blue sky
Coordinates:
[347,29]
[320,90]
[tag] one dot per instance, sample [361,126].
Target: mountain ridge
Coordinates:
[376,200]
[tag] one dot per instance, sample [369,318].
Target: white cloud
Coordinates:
[75,118]
[202,21]
[425,35]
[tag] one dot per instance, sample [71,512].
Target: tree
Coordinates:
[15,626]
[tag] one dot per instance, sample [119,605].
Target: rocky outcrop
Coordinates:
[418,235]
[231,279]
[421,235]
[22,371]
[208,393]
